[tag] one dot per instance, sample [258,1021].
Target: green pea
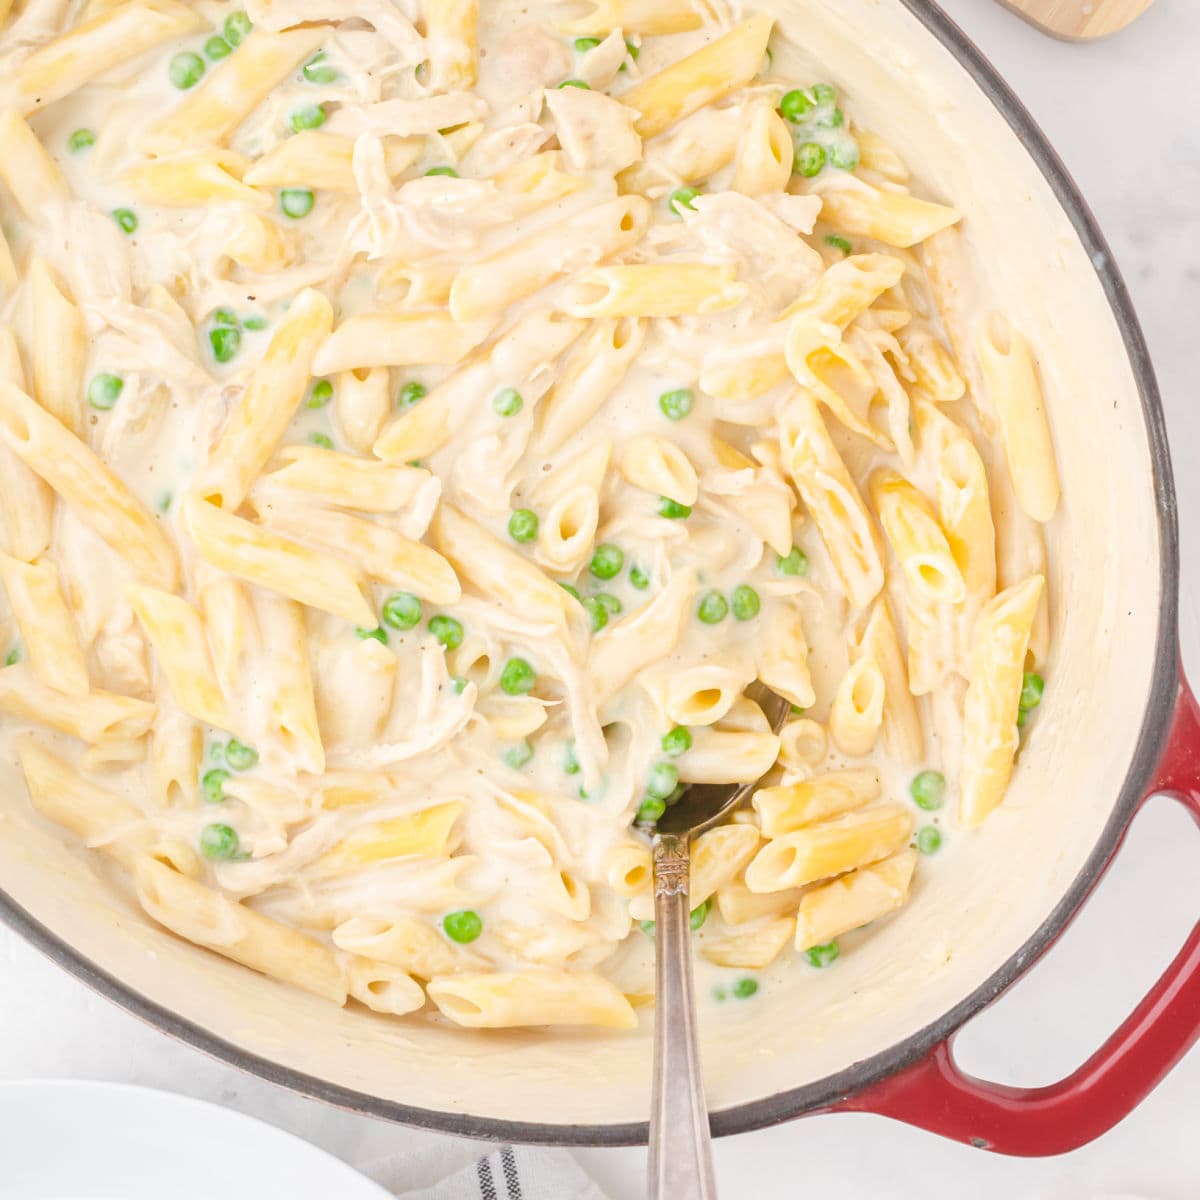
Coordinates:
[744,988]
[824,93]
[12,657]
[296,202]
[523,525]
[237,26]
[225,316]
[663,780]
[795,106]
[225,342]
[928,790]
[401,610]
[677,741]
[649,811]
[126,218]
[633,50]
[517,677]
[186,70]
[834,119]
[745,602]
[449,172]
[839,243]
[219,842]
[713,608]
[570,761]
[596,611]
[81,139]
[677,404]
[682,198]
[105,390]
[217,48]
[240,756]
[316,71]
[796,710]
[321,394]
[312,117]
[822,956]
[447,630]
[647,927]
[638,578]
[212,784]
[929,839]
[609,603]
[810,160]
[321,439]
[794,562]
[607,561]
[584,44]
[517,756]
[463,926]
[164,501]
[845,155]
[673,510]
[570,589]
[458,683]
[410,393]
[719,994]
[1033,687]
[255,324]
[577,83]
[378,634]
[1023,717]
[699,915]
[507,403]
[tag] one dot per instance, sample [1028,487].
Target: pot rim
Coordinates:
[823,1093]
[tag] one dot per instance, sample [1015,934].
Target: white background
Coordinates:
[1125,115]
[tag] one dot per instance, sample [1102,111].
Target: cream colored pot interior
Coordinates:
[967,916]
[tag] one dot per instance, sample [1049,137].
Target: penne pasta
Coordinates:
[1016,398]
[49,633]
[500,999]
[892,217]
[59,349]
[862,896]
[653,290]
[98,716]
[111,37]
[832,498]
[285,567]
[87,486]
[829,848]
[176,631]
[990,736]
[707,75]
[266,408]
[215,108]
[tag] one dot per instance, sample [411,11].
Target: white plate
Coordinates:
[70,1140]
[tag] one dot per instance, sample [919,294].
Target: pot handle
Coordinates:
[934,1094]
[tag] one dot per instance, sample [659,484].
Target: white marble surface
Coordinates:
[1124,115]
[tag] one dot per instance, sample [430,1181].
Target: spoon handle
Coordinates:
[681,1165]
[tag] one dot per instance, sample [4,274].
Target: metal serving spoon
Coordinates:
[681,1165]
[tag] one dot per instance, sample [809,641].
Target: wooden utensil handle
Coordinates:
[1079,20]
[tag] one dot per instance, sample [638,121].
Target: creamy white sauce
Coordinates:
[176,399]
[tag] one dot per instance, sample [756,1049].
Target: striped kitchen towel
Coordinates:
[508,1173]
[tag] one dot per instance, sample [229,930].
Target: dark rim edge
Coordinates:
[822,1093]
